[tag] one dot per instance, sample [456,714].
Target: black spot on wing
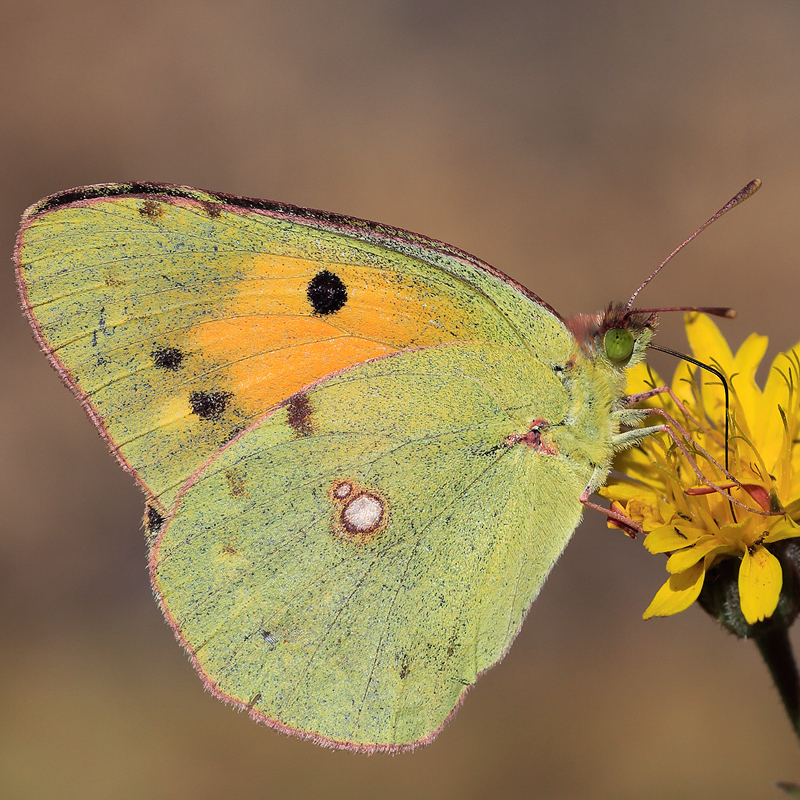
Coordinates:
[299,415]
[236,482]
[212,209]
[151,209]
[209,405]
[405,666]
[326,292]
[169,358]
[234,432]
[153,522]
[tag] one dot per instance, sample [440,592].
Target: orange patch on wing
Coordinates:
[404,310]
[227,340]
[273,295]
[400,309]
[266,359]
[264,380]
[273,344]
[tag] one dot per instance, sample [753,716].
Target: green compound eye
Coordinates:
[619,344]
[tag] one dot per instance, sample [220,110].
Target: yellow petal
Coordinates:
[641,378]
[749,355]
[772,437]
[682,382]
[678,593]
[748,393]
[767,426]
[621,490]
[709,346]
[707,342]
[644,510]
[785,529]
[668,538]
[666,511]
[760,581]
[684,559]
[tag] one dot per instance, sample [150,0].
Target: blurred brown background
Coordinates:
[571,144]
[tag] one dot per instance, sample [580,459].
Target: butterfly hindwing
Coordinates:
[348,566]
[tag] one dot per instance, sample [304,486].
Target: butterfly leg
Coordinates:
[632,416]
[672,426]
[626,524]
[621,442]
[641,396]
[680,444]
[636,398]
[680,436]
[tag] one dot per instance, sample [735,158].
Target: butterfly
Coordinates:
[362,450]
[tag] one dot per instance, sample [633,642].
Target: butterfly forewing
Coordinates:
[179,318]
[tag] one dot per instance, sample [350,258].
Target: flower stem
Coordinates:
[776,650]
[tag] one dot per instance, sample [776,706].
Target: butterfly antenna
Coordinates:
[727,313]
[713,371]
[748,191]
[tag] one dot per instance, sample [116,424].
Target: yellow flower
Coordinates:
[685,518]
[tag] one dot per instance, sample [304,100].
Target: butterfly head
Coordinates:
[618,336]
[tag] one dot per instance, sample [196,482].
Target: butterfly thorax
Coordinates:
[596,377]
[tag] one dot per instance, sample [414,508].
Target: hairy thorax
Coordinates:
[595,390]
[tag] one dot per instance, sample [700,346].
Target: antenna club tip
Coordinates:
[750,189]
[725,313]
